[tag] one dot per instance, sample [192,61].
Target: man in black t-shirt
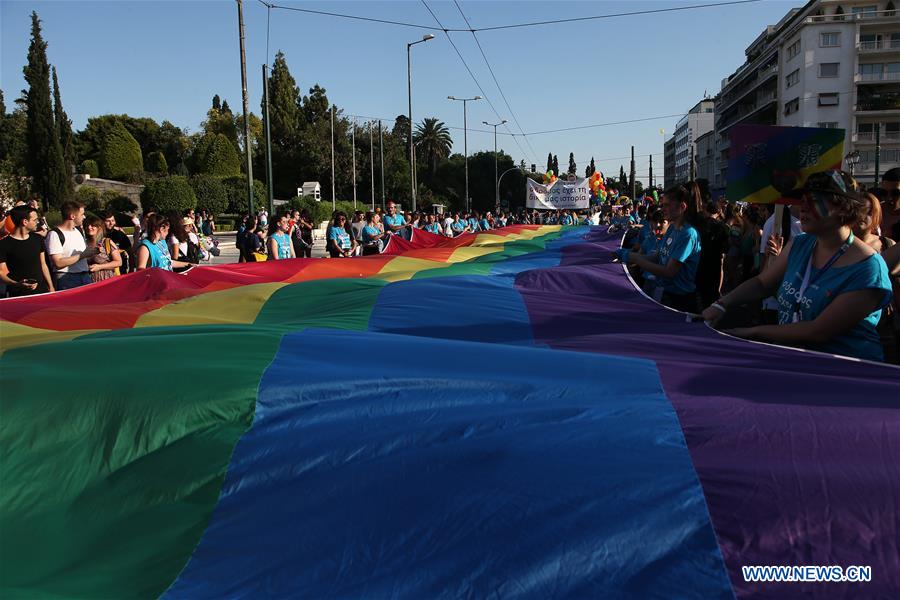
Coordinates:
[119,238]
[22,265]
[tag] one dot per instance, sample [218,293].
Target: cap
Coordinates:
[838,183]
[187,221]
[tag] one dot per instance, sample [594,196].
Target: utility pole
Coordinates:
[693,167]
[372,163]
[496,178]
[412,153]
[353,145]
[240,7]
[333,196]
[381,151]
[651,170]
[265,71]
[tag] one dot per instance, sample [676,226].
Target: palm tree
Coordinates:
[433,140]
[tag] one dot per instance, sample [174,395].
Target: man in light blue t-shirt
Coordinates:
[393,222]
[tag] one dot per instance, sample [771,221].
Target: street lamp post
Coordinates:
[465,101]
[496,179]
[412,154]
[852,159]
[501,177]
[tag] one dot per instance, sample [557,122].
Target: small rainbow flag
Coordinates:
[763,155]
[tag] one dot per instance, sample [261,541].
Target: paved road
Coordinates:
[229,252]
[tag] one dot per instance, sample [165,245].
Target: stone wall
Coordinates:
[130,190]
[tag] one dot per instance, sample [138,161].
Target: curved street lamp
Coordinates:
[496,179]
[501,177]
[412,154]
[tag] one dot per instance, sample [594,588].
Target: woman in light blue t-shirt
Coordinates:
[829,284]
[675,264]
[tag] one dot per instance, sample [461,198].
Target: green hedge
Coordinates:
[211,193]
[120,154]
[169,193]
[216,155]
[90,167]
[236,188]
[156,163]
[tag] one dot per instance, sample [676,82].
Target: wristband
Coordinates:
[718,306]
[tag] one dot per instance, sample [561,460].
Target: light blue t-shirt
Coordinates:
[341,237]
[473,224]
[649,244]
[863,340]
[485,225]
[458,226]
[567,220]
[682,245]
[370,233]
[159,254]
[433,228]
[395,220]
[283,242]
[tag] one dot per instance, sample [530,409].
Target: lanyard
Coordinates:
[809,279]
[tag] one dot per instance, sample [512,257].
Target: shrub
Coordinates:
[216,155]
[90,197]
[169,193]
[236,188]
[54,217]
[211,194]
[90,167]
[156,163]
[119,203]
[120,154]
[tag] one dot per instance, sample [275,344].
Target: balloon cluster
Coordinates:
[549,177]
[598,186]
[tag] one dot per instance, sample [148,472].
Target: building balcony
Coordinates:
[767,72]
[882,46]
[876,77]
[887,137]
[879,103]
[873,18]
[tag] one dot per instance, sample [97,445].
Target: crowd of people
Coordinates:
[826,282]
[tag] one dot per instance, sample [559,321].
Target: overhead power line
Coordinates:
[471,74]
[497,83]
[511,25]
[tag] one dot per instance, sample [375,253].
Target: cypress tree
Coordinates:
[555,166]
[573,168]
[549,161]
[216,102]
[66,138]
[44,155]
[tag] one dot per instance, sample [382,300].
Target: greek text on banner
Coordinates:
[559,195]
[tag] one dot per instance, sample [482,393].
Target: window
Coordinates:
[829,69]
[828,124]
[871,71]
[793,50]
[893,71]
[892,129]
[829,99]
[830,40]
[866,12]
[865,128]
[792,78]
[895,40]
[792,106]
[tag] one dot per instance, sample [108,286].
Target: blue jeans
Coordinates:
[67,281]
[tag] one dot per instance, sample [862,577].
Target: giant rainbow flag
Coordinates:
[497,415]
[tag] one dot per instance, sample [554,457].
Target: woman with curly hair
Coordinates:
[830,285]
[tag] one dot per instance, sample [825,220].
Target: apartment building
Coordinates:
[669,163]
[831,63]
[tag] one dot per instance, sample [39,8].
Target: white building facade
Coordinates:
[698,121]
[831,63]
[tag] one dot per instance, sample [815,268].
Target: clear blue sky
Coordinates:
[166,59]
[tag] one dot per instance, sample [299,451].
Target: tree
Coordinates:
[66,138]
[591,169]
[44,155]
[90,167]
[555,166]
[573,168]
[225,107]
[284,126]
[216,103]
[433,142]
[211,194]
[156,163]
[120,154]
[549,162]
[623,179]
[236,188]
[220,157]
[169,193]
